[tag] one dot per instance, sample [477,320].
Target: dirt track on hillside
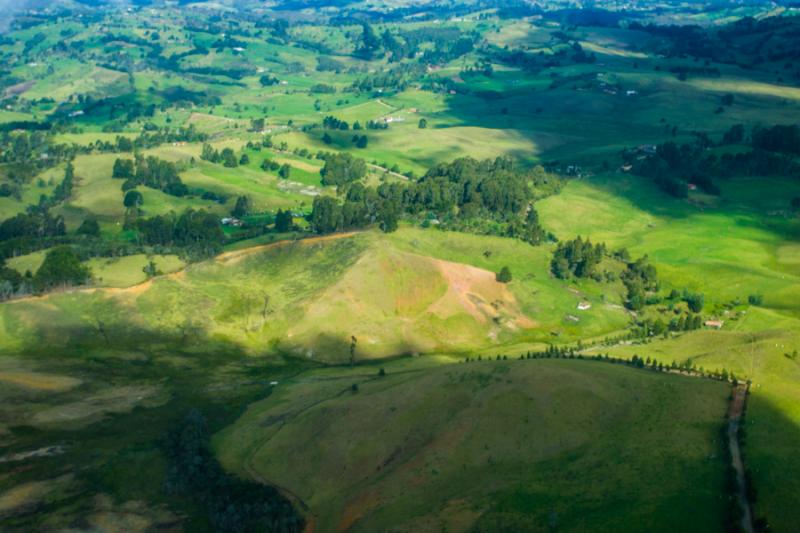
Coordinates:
[226,258]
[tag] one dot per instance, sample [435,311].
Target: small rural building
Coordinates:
[716,324]
[583,306]
[231,221]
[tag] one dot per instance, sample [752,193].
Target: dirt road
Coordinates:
[734,419]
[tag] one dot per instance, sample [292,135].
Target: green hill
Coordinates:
[490,446]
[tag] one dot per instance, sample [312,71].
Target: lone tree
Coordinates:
[151,270]
[285,171]
[243,207]
[353,342]
[423,123]
[229,158]
[133,199]
[283,221]
[504,276]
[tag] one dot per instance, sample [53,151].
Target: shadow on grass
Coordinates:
[769,439]
[333,349]
[123,454]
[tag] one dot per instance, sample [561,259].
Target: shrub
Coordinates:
[504,276]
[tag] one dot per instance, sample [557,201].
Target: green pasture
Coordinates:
[739,245]
[572,442]
[756,346]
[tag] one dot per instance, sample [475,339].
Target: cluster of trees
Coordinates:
[231,503]
[694,300]
[151,137]
[369,44]
[322,88]
[61,268]
[361,141]
[227,156]
[197,231]
[576,258]
[640,279]
[374,125]
[284,171]
[398,78]
[480,196]
[580,258]
[61,192]
[436,44]
[361,207]
[155,136]
[779,138]
[529,230]
[267,80]
[570,52]
[491,188]
[64,189]
[674,166]
[151,172]
[649,327]
[332,123]
[686,322]
[746,42]
[26,232]
[342,168]
[30,152]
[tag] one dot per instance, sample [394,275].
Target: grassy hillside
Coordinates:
[729,247]
[414,291]
[509,445]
